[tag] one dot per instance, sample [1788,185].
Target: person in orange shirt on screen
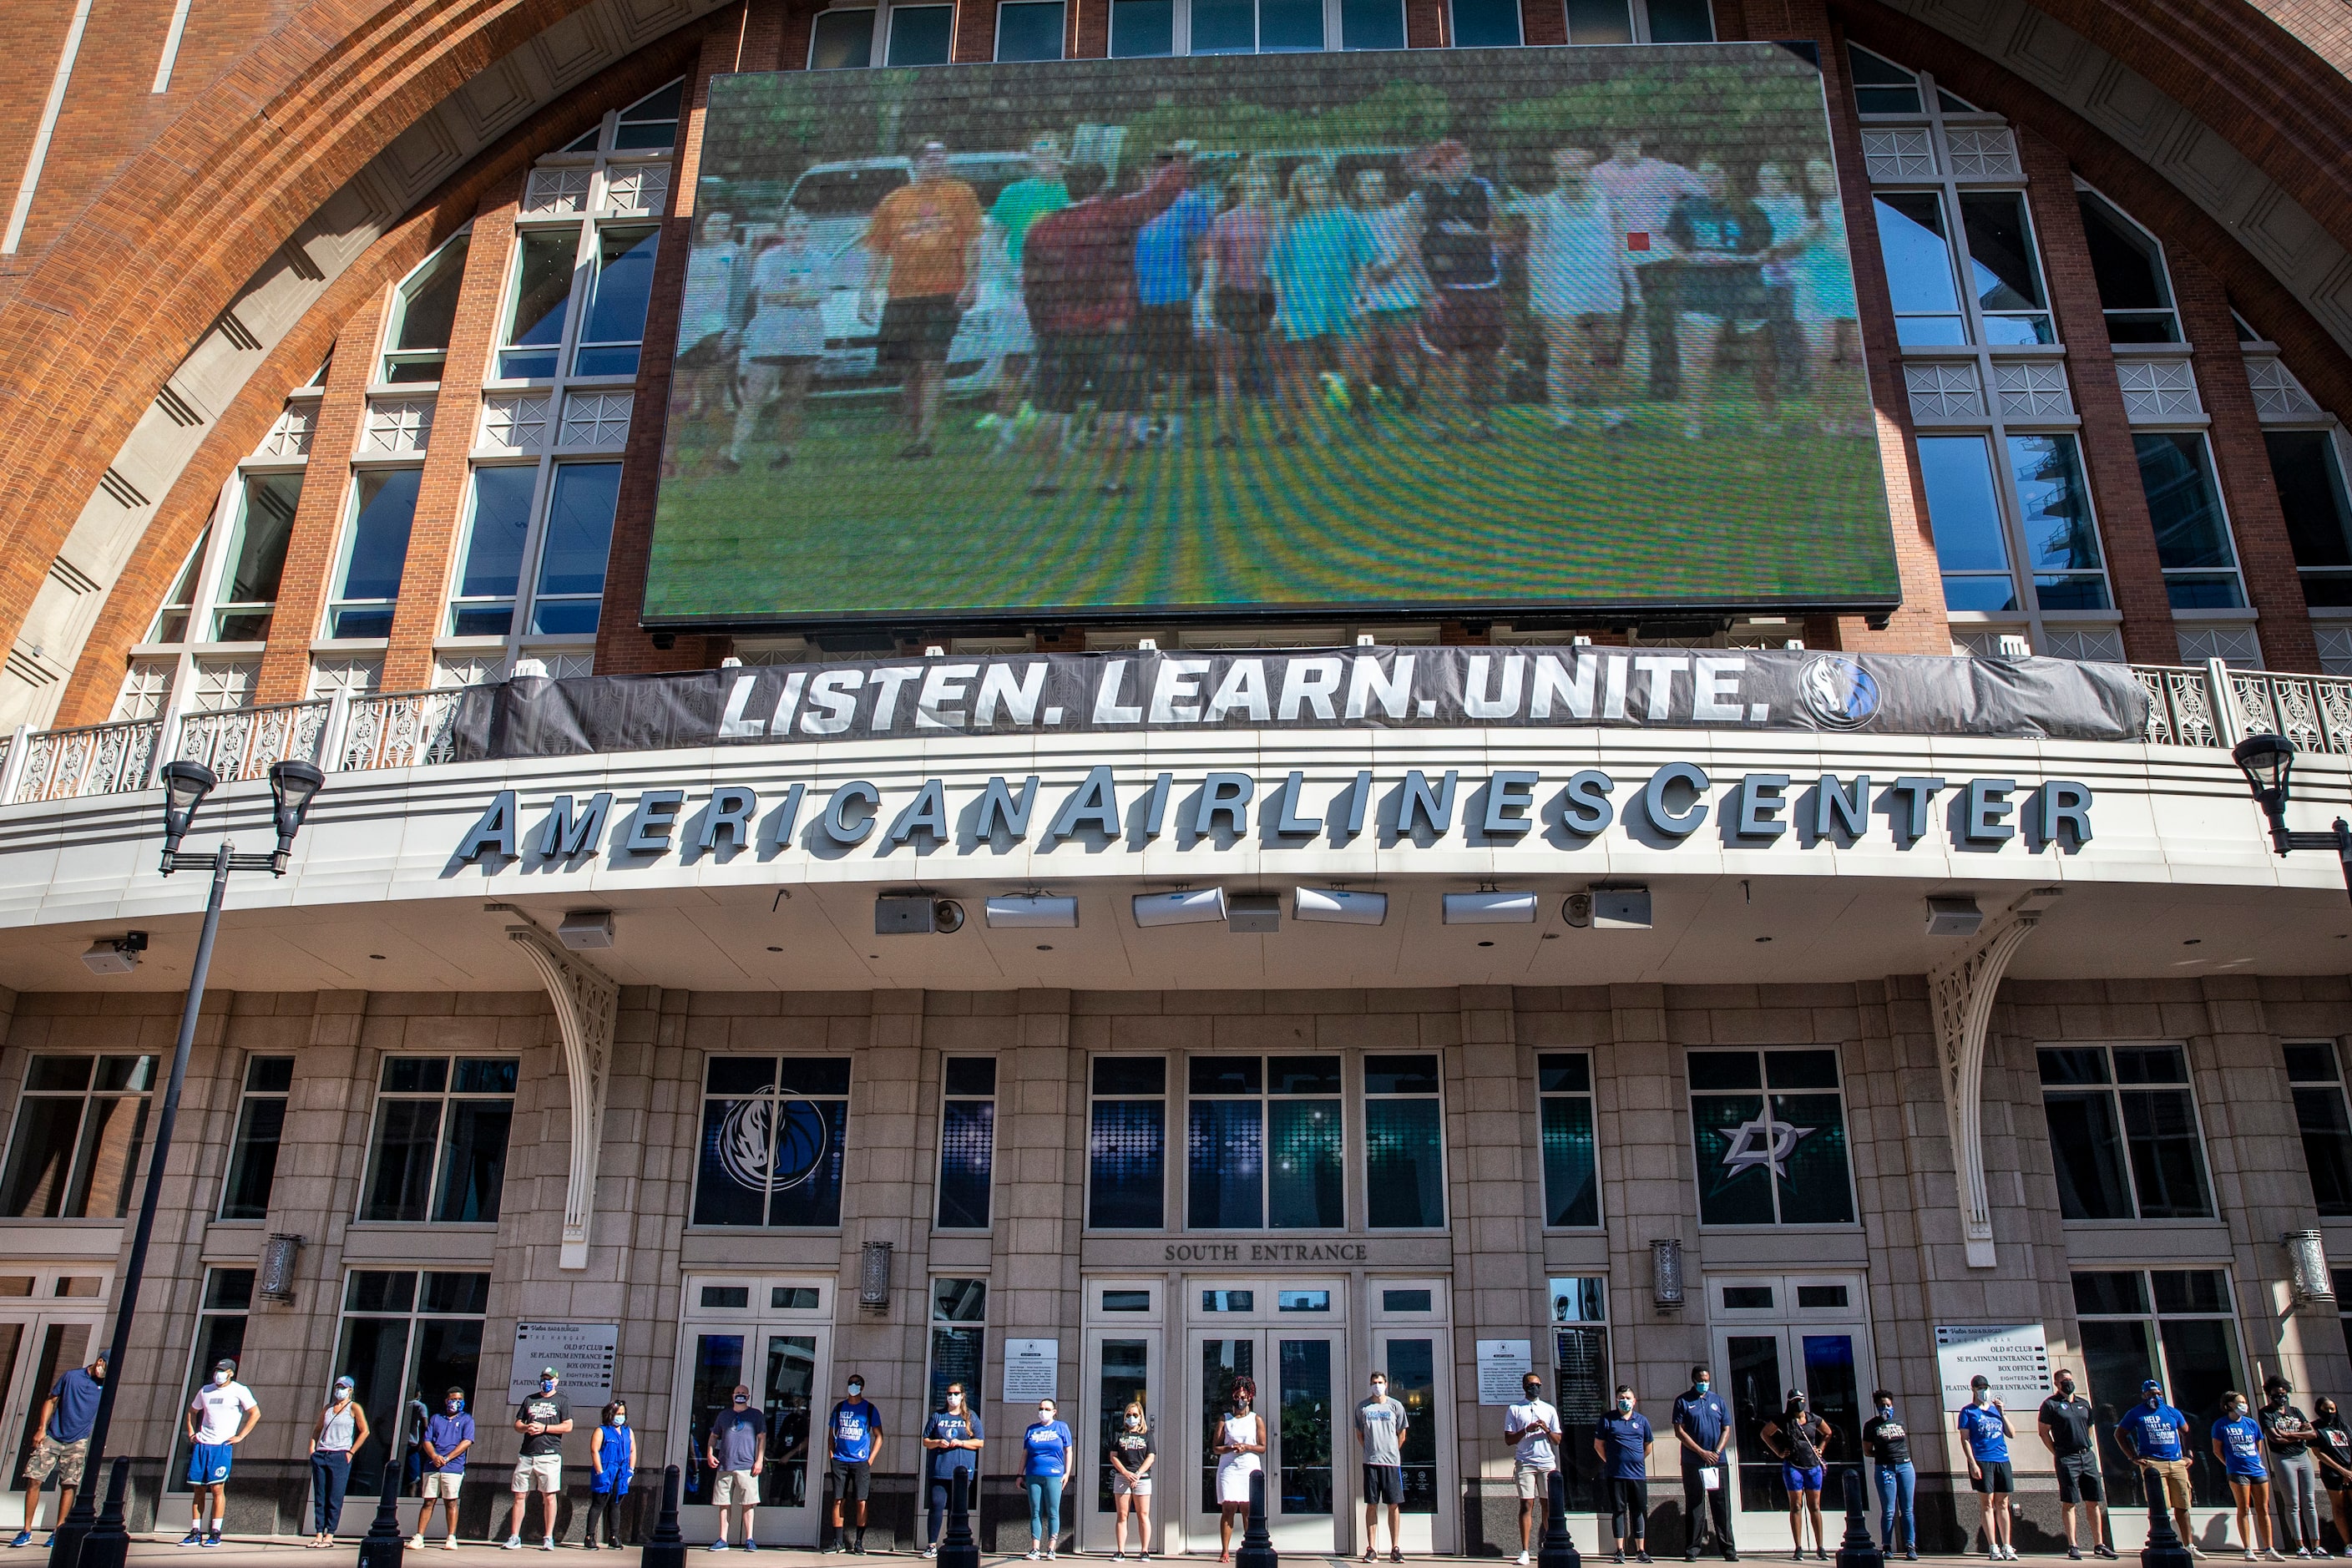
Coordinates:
[924,239]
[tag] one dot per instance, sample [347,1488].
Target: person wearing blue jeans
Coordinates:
[1044,1470]
[951,1442]
[1889,1448]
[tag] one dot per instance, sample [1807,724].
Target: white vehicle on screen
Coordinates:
[839,199]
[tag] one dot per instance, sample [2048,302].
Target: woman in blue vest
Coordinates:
[614,1449]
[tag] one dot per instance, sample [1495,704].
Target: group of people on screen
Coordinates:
[1310,296]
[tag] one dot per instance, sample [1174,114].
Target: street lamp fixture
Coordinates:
[2267,760]
[87,1536]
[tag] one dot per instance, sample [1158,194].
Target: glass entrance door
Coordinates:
[1415,1362]
[1295,1374]
[781,1355]
[49,1321]
[1771,1335]
[1121,1368]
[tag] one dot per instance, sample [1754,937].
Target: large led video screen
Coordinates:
[1411,331]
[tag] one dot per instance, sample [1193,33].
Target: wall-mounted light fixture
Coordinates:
[873,1275]
[1666,1275]
[2307,1273]
[279,1256]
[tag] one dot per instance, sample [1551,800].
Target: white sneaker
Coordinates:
[932,1549]
[416,1542]
[449,1542]
[1523,1560]
[548,1544]
[514,1543]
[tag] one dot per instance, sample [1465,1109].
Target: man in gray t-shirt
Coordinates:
[736,1451]
[1379,1432]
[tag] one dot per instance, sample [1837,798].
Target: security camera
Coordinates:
[115,954]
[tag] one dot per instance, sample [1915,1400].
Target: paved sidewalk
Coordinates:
[285,1553]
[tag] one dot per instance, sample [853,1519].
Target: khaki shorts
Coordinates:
[1121,1487]
[64,1459]
[1533,1480]
[444,1483]
[2176,1479]
[737,1486]
[537,1473]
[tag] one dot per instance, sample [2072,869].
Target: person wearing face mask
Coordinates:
[857,1430]
[1045,1471]
[953,1438]
[2155,1436]
[1802,1441]
[543,1418]
[1889,1448]
[223,1414]
[1620,1441]
[61,1444]
[613,1465]
[736,1451]
[2295,1474]
[447,1435]
[2064,1423]
[343,1426]
[1131,1455]
[1703,1434]
[1985,1424]
[1532,1428]
[2331,1445]
[1379,1434]
[2238,1444]
[1240,1448]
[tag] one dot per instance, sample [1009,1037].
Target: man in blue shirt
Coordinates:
[61,1444]
[1166,250]
[1986,1426]
[2154,1434]
[1620,1441]
[1703,1431]
[856,1431]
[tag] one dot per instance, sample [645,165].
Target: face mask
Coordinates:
[340,1396]
[620,1418]
[1983,1396]
[1886,1407]
[2066,1388]
[856,1390]
[1135,1423]
[1380,1390]
[743,1399]
[220,1379]
[547,1385]
[1701,1385]
[457,1406]
[1624,1405]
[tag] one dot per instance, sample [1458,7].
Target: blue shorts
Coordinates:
[2257,1474]
[208,1464]
[1798,1481]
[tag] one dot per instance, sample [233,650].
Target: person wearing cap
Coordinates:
[735,1451]
[542,1419]
[2065,1426]
[1986,1426]
[2154,1435]
[855,1426]
[342,1428]
[1803,1440]
[61,1442]
[223,1414]
[447,1435]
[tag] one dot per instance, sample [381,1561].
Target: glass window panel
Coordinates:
[793,1298]
[230,1290]
[1224,26]
[616,309]
[739,1075]
[1029,31]
[474,1166]
[493,541]
[2311,1061]
[1302,1075]
[2190,1290]
[2124,262]
[269,1075]
[1305,1183]
[1571,1186]
[2310,479]
[373,1353]
[2201,1360]
[2056,502]
[542,298]
[1224,1180]
[1371,23]
[2167,1162]
[415,1074]
[376,550]
[1126,1301]
[2105,1292]
[1125,1379]
[1303,1441]
[955,1358]
[428,306]
[1581,1370]
[1126,1163]
[1224,1362]
[1816,1188]
[1913,239]
[400,1168]
[1485,23]
[1681,22]
[579,528]
[727,1298]
[1407,1301]
[730,1183]
[2320,1115]
[2075,593]
[2183,502]
[2004,272]
[2203,591]
[2086,1146]
[958,1300]
[112,1133]
[970,1074]
[804,1174]
[380,1291]
[40,1157]
[1400,1075]
[1564,1072]
[1726,1069]
[1225,1075]
[1131,1075]
[256,551]
[2150,1064]
[1289,26]
[920,34]
[2117,1357]
[1600,22]
[1830,1383]
[841,40]
[52,1074]
[813,1075]
[1881,87]
[1228,1302]
[456,1292]
[2072,1065]
[484,1075]
[1956,472]
[253,1158]
[1302,1300]
[1141,28]
[125,1072]
[1731,1190]
[1405,1165]
[718,1368]
[1801,1070]
[1823,1296]
[967,1150]
[1579,1299]
[1748,1298]
[655,106]
[448,1355]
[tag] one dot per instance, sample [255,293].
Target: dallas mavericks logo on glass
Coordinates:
[773,1146]
[1838,692]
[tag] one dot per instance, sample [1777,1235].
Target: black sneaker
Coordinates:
[1640,1557]
[2106,1551]
[1620,1557]
[1692,1555]
[2074,1555]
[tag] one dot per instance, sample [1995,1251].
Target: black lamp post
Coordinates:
[87,1539]
[2267,760]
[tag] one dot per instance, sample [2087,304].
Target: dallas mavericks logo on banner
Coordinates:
[1839,692]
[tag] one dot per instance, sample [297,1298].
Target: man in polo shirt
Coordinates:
[2153,1434]
[1703,1431]
[62,1441]
[2065,1426]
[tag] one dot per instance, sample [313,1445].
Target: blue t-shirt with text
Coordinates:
[951,1428]
[854,1422]
[2151,1431]
[2241,1446]
[1047,1448]
[1987,1443]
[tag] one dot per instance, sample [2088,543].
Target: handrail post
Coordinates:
[331,733]
[2226,723]
[12,770]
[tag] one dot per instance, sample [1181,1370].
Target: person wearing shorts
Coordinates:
[2238,1445]
[1321,255]
[2064,1423]
[1577,288]
[1131,1455]
[1455,212]
[1386,339]
[735,1451]
[223,1414]
[542,1419]
[855,1428]
[782,343]
[2155,1436]
[1532,1429]
[1620,1441]
[1166,252]
[924,238]
[2332,1446]
[61,1444]
[1379,1435]
[447,1435]
[1801,1439]
[1985,1425]
[711,311]
[1236,305]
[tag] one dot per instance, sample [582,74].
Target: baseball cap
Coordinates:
[2151,1386]
[223,1364]
[1980,1381]
[346,1382]
[548,1371]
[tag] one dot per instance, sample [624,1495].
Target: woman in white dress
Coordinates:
[1241,1443]
[782,343]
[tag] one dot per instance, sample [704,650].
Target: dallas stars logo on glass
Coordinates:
[1763,1140]
[1768,1136]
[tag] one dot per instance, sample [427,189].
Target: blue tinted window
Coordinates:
[920,34]
[1142,28]
[1485,23]
[1125,1165]
[1029,31]
[493,565]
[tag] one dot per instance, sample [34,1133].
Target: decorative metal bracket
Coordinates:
[587,1004]
[1963,990]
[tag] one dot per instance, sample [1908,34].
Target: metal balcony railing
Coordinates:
[2210,706]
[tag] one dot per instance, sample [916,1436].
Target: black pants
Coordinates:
[608,1505]
[1629,1508]
[1660,313]
[1717,1504]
